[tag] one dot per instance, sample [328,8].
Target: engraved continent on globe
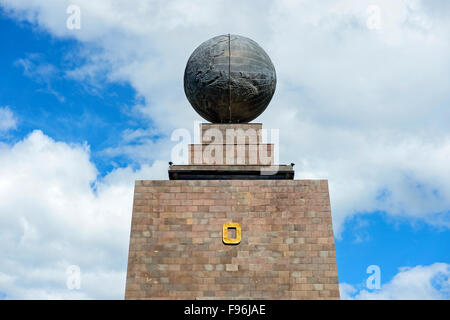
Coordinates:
[229,79]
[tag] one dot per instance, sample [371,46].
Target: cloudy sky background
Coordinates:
[83,113]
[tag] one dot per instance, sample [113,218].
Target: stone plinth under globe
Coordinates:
[229,79]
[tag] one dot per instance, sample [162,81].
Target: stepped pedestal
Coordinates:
[240,230]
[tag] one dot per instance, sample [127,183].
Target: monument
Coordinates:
[233,223]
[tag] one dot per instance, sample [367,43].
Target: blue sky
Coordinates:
[63,108]
[85,112]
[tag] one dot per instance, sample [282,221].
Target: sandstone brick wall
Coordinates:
[231,144]
[248,132]
[237,154]
[286,251]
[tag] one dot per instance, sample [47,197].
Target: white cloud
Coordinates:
[52,217]
[43,73]
[36,69]
[410,283]
[7,119]
[367,109]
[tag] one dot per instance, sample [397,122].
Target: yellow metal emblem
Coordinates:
[231,225]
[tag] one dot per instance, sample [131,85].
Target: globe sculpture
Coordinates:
[229,79]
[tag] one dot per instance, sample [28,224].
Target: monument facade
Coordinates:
[232,223]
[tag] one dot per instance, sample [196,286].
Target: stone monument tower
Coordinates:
[232,224]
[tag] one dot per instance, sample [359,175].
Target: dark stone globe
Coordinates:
[229,79]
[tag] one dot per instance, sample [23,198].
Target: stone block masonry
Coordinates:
[286,249]
[231,144]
